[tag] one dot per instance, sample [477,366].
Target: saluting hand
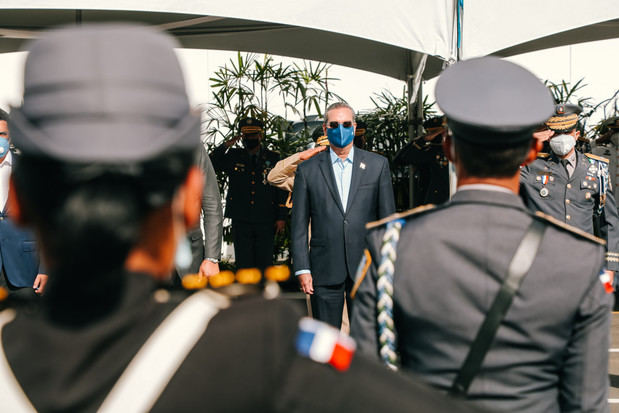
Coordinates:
[232,141]
[308,153]
[307,286]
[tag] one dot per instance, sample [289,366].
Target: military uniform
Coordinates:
[480,297]
[607,147]
[432,167]
[585,199]
[450,263]
[251,203]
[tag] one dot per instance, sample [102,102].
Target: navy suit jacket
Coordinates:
[18,254]
[337,237]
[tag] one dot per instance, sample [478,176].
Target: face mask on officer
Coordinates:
[340,134]
[562,144]
[251,141]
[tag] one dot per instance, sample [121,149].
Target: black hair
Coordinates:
[491,161]
[89,216]
[4,115]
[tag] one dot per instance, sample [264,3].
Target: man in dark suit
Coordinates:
[436,274]
[256,208]
[18,255]
[338,191]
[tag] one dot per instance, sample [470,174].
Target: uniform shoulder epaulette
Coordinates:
[569,228]
[400,215]
[597,158]
[543,155]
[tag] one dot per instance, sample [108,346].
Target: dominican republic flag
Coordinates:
[606,281]
[324,344]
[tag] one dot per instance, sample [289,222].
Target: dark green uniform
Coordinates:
[251,203]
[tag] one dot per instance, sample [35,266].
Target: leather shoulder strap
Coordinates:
[153,366]
[11,393]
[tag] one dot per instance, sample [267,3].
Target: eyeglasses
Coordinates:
[333,125]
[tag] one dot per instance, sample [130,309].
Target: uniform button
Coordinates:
[568,217]
[567,201]
[569,186]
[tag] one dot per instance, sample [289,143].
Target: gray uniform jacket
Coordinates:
[550,351]
[545,187]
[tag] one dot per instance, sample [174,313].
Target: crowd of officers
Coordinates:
[500,297]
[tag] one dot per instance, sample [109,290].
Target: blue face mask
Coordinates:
[340,136]
[4,147]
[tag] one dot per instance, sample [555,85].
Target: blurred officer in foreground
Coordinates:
[437,302]
[573,187]
[256,208]
[109,210]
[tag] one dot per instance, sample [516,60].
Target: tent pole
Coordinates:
[415,120]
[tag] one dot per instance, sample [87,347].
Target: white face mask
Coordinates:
[562,144]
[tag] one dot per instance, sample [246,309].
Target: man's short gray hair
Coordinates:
[338,105]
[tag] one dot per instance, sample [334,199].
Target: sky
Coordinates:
[596,62]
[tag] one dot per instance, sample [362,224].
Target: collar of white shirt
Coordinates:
[350,158]
[8,160]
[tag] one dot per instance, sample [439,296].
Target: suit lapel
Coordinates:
[357,171]
[327,171]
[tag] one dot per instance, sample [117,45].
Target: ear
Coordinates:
[447,148]
[324,129]
[193,185]
[534,149]
[14,207]
[576,134]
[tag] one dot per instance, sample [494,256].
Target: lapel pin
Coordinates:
[362,165]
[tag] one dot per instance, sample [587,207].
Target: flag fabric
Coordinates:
[606,281]
[324,344]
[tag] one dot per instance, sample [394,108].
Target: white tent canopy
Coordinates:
[387,38]
[507,28]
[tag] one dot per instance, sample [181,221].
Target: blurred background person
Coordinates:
[256,208]
[22,272]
